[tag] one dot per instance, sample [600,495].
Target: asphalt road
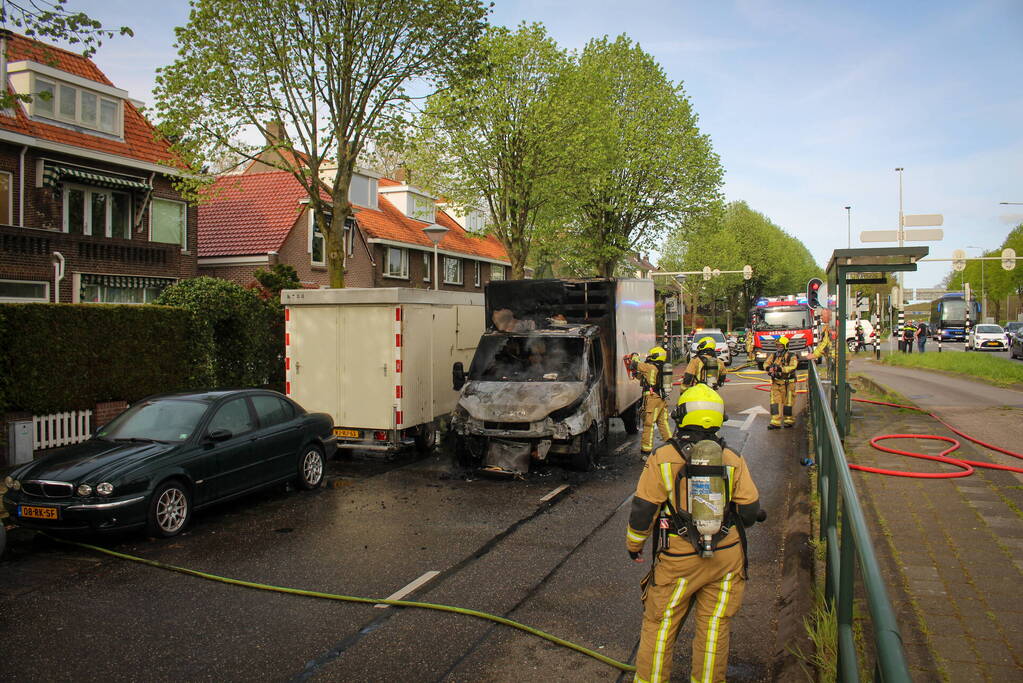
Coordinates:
[559,565]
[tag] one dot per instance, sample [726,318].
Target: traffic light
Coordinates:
[813,289]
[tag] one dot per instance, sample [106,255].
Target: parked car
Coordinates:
[849,330]
[986,337]
[720,343]
[1016,345]
[168,455]
[1012,328]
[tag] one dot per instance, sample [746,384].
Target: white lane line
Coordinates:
[553,493]
[409,588]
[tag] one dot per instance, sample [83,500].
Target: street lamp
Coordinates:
[1013,203]
[436,234]
[983,295]
[848,215]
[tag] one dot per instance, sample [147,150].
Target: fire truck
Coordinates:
[774,317]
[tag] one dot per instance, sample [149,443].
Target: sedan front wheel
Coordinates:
[310,468]
[169,509]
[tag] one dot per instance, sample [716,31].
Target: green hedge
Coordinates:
[57,357]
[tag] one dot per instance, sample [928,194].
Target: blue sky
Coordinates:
[810,105]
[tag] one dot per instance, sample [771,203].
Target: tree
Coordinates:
[51,20]
[315,78]
[643,165]
[501,139]
[280,276]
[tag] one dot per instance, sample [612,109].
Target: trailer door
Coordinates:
[367,351]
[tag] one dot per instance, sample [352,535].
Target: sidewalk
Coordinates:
[951,549]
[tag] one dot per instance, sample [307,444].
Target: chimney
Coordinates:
[275,133]
[402,175]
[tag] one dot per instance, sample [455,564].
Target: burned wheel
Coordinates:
[586,456]
[467,452]
[630,418]
[426,437]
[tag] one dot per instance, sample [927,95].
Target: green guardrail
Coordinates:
[841,514]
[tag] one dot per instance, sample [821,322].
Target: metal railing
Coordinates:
[838,495]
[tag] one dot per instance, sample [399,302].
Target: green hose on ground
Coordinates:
[350,598]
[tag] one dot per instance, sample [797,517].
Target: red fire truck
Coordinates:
[789,316]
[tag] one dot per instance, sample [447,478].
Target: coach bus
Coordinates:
[948,316]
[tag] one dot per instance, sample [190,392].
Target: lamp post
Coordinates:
[848,215]
[436,234]
[983,294]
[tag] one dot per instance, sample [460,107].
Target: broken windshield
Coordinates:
[782,319]
[528,359]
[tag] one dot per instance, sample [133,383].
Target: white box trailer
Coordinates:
[379,360]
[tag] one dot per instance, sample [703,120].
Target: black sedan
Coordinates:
[1016,344]
[166,456]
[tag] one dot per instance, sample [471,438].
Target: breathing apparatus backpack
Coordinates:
[710,514]
[711,369]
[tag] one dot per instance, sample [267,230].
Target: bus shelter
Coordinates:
[854,267]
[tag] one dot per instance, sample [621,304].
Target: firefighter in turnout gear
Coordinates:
[655,408]
[751,342]
[781,368]
[704,366]
[666,505]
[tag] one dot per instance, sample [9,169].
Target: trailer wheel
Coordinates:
[630,418]
[464,455]
[426,437]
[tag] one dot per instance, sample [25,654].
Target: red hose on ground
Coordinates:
[943,457]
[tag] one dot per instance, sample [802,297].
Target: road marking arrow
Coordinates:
[751,415]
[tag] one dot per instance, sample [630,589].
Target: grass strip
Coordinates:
[1001,372]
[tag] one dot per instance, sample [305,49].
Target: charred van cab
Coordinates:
[546,378]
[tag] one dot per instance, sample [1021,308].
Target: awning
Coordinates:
[54,174]
[127,281]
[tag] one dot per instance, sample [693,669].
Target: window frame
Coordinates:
[19,300]
[184,232]
[55,102]
[461,270]
[87,226]
[478,273]
[427,266]
[314,234]
[403,269]
[503,271]
[9,219]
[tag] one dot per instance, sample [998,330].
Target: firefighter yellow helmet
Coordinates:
[783,342]
[706,344]
[657,354]
[701,406]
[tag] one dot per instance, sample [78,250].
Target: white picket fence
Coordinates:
[61,429]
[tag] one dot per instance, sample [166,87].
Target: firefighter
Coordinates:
[704,366]
[781,368]
[655,408]
[751,340]
[681,580]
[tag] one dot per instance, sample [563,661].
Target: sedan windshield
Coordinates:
[989,329]
[528,359]
[160,420]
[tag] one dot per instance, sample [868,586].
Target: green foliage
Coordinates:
[280,276]
[333,73]
[238,336]
[988,277]
[998,371]
[642,165]
[729,238]
[50,20]
[57,357]
[502,139]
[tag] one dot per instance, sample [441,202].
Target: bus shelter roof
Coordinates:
[876,260]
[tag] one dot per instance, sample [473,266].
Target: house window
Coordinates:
[496,272]
[75,105]
[169,222]
[422,208]
[5,198]
[476,276]
[317,242]
[97,212]
[452,270]
[397,263]
[24,291]
[121,289]
[427,265]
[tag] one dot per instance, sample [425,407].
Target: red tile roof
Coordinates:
[139,136]
[252,214]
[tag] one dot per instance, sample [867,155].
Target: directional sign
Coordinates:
[1008,259]
[747,272]
[921,220]
[908,235]
[707,274]
[959,260]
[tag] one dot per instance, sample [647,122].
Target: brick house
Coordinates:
[260,217]
[87,210]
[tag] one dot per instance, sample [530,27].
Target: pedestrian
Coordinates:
[655,410]
[921,337]
[704,367]
[860,341]
[682,578]
[908,333]
[781,368]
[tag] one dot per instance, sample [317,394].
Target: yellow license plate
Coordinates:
[347,433]
[37,512]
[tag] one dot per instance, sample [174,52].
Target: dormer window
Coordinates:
[65,98]
[412,202]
